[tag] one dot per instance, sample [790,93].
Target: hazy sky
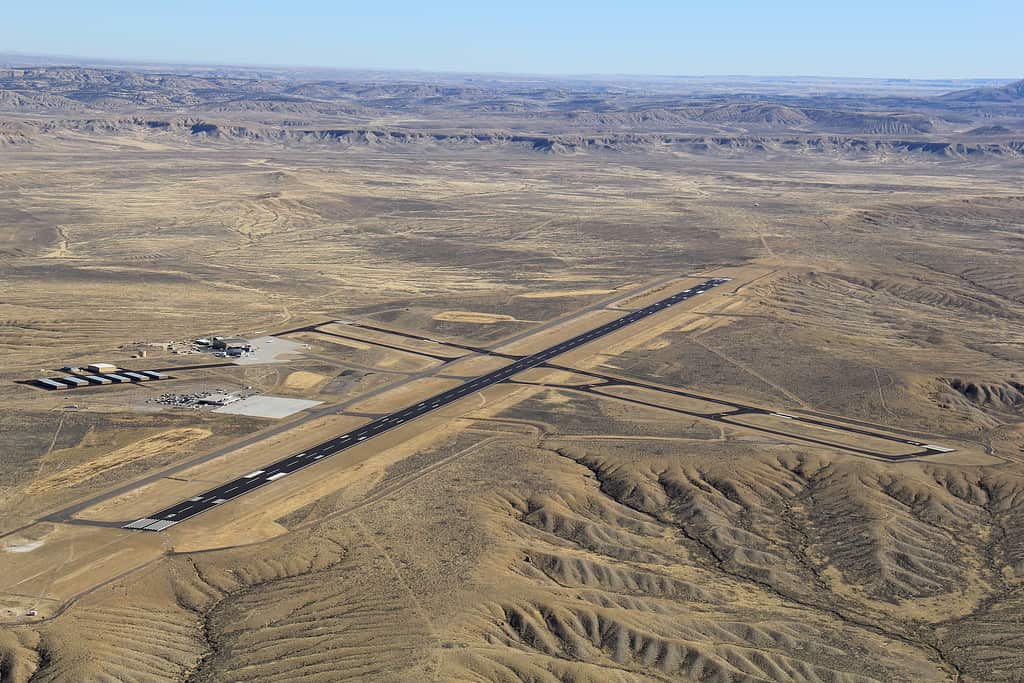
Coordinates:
[915,39]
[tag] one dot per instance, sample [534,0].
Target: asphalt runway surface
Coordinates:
[186,509]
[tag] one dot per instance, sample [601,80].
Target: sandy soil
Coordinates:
[63,561]
[565,293]
[474,317]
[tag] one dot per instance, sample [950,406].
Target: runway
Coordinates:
[186,509]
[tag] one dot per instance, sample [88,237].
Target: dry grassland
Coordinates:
[172,442]
[529,533]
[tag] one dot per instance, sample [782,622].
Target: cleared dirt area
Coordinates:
[473,317]
[568,292]
[302,380]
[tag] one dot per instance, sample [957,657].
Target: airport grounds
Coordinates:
[540,528]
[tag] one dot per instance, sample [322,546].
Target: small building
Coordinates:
[153,374]
[101,368]
[202,341]
[235,352]
[226,343]
[96,379]
[71,368]
[50,384]
[119,379]
[136,376]
[74,381]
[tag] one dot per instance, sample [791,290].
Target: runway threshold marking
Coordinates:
[177,513]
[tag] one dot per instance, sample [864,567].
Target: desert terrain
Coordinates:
[384,238]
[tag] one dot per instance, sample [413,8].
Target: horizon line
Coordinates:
[82,61]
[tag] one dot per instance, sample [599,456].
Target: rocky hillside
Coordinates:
[1013,92]
[205,131]
[546,108]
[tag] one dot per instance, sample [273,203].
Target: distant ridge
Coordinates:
[990,130]
[1006,93]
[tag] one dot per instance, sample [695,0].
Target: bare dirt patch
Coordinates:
[302,380]
[473,317]
[565,293]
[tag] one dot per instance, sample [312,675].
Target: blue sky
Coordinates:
[868,38]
